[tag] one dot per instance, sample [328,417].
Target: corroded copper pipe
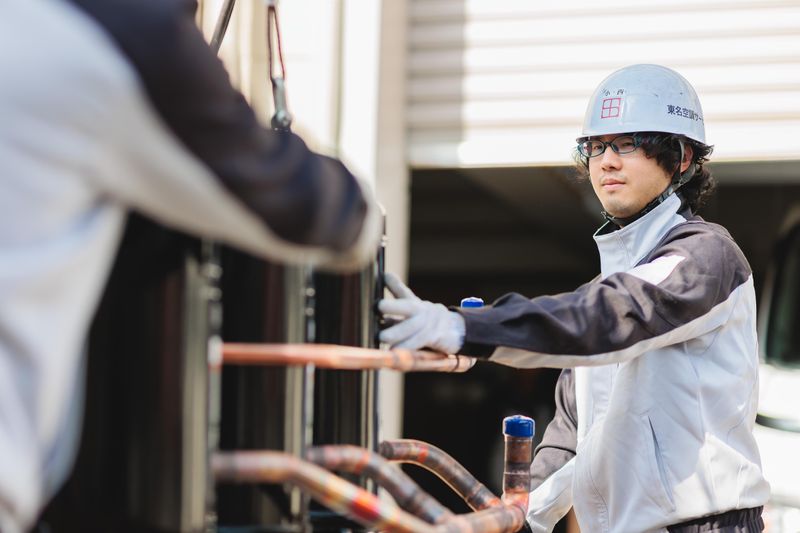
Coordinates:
[404,490]
[502,519]
[343,357]
[330,490]
[443,465]
[351,500]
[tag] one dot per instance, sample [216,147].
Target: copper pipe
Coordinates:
[517,470]
[443,465]
[351,500]
[502,519]
[343,357]
[403,489]
[518,434]
[332,491]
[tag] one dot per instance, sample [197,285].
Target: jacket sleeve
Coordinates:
[687,287]
[186,135]
[551,471]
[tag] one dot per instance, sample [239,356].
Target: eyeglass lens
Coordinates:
[621,145]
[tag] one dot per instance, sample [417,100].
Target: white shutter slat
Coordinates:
[506,83]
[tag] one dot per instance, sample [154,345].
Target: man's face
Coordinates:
[625,183]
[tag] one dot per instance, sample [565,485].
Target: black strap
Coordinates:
[678,180]
[735,521]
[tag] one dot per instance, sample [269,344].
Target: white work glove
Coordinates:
[425,324]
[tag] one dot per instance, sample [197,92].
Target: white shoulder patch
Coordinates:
[658,270]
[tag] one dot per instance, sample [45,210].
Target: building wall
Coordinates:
[506,83]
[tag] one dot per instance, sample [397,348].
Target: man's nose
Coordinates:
[610,159]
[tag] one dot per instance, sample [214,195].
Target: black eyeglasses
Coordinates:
[624,144]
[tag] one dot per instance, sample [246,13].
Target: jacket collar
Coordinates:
[624,248]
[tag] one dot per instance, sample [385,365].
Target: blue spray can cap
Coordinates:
[518,426]
[471,302]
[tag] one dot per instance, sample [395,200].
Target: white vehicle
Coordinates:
[778,421]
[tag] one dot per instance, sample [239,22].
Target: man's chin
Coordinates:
[620,213]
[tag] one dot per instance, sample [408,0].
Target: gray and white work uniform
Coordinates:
[665,356]
[108,107]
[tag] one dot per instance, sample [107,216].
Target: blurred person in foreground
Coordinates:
[111,106]
[657,400]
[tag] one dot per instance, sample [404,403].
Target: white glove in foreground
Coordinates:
[425,324]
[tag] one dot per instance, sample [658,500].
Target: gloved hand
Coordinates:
[425,324]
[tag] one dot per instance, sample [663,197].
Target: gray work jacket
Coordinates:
[665,356]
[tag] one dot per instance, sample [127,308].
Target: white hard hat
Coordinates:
[645,98]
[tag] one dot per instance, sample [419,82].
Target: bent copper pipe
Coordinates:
[403,489]
[332,491]
[428,456]
[503,519]
[351,500]
[343,357]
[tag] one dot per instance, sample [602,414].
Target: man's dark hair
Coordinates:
[665,148]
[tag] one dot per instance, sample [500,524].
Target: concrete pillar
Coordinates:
[372,137]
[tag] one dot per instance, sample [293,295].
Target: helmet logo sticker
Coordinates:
[683,112]
[611,107]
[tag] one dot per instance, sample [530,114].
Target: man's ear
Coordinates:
[688,152]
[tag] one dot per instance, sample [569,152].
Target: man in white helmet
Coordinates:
[656,405]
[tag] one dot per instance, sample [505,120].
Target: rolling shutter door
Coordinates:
[506,83]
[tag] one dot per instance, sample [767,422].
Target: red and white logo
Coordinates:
[611,107]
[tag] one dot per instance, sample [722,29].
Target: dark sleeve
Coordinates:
[561,436]
[692,277]
[303,197]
